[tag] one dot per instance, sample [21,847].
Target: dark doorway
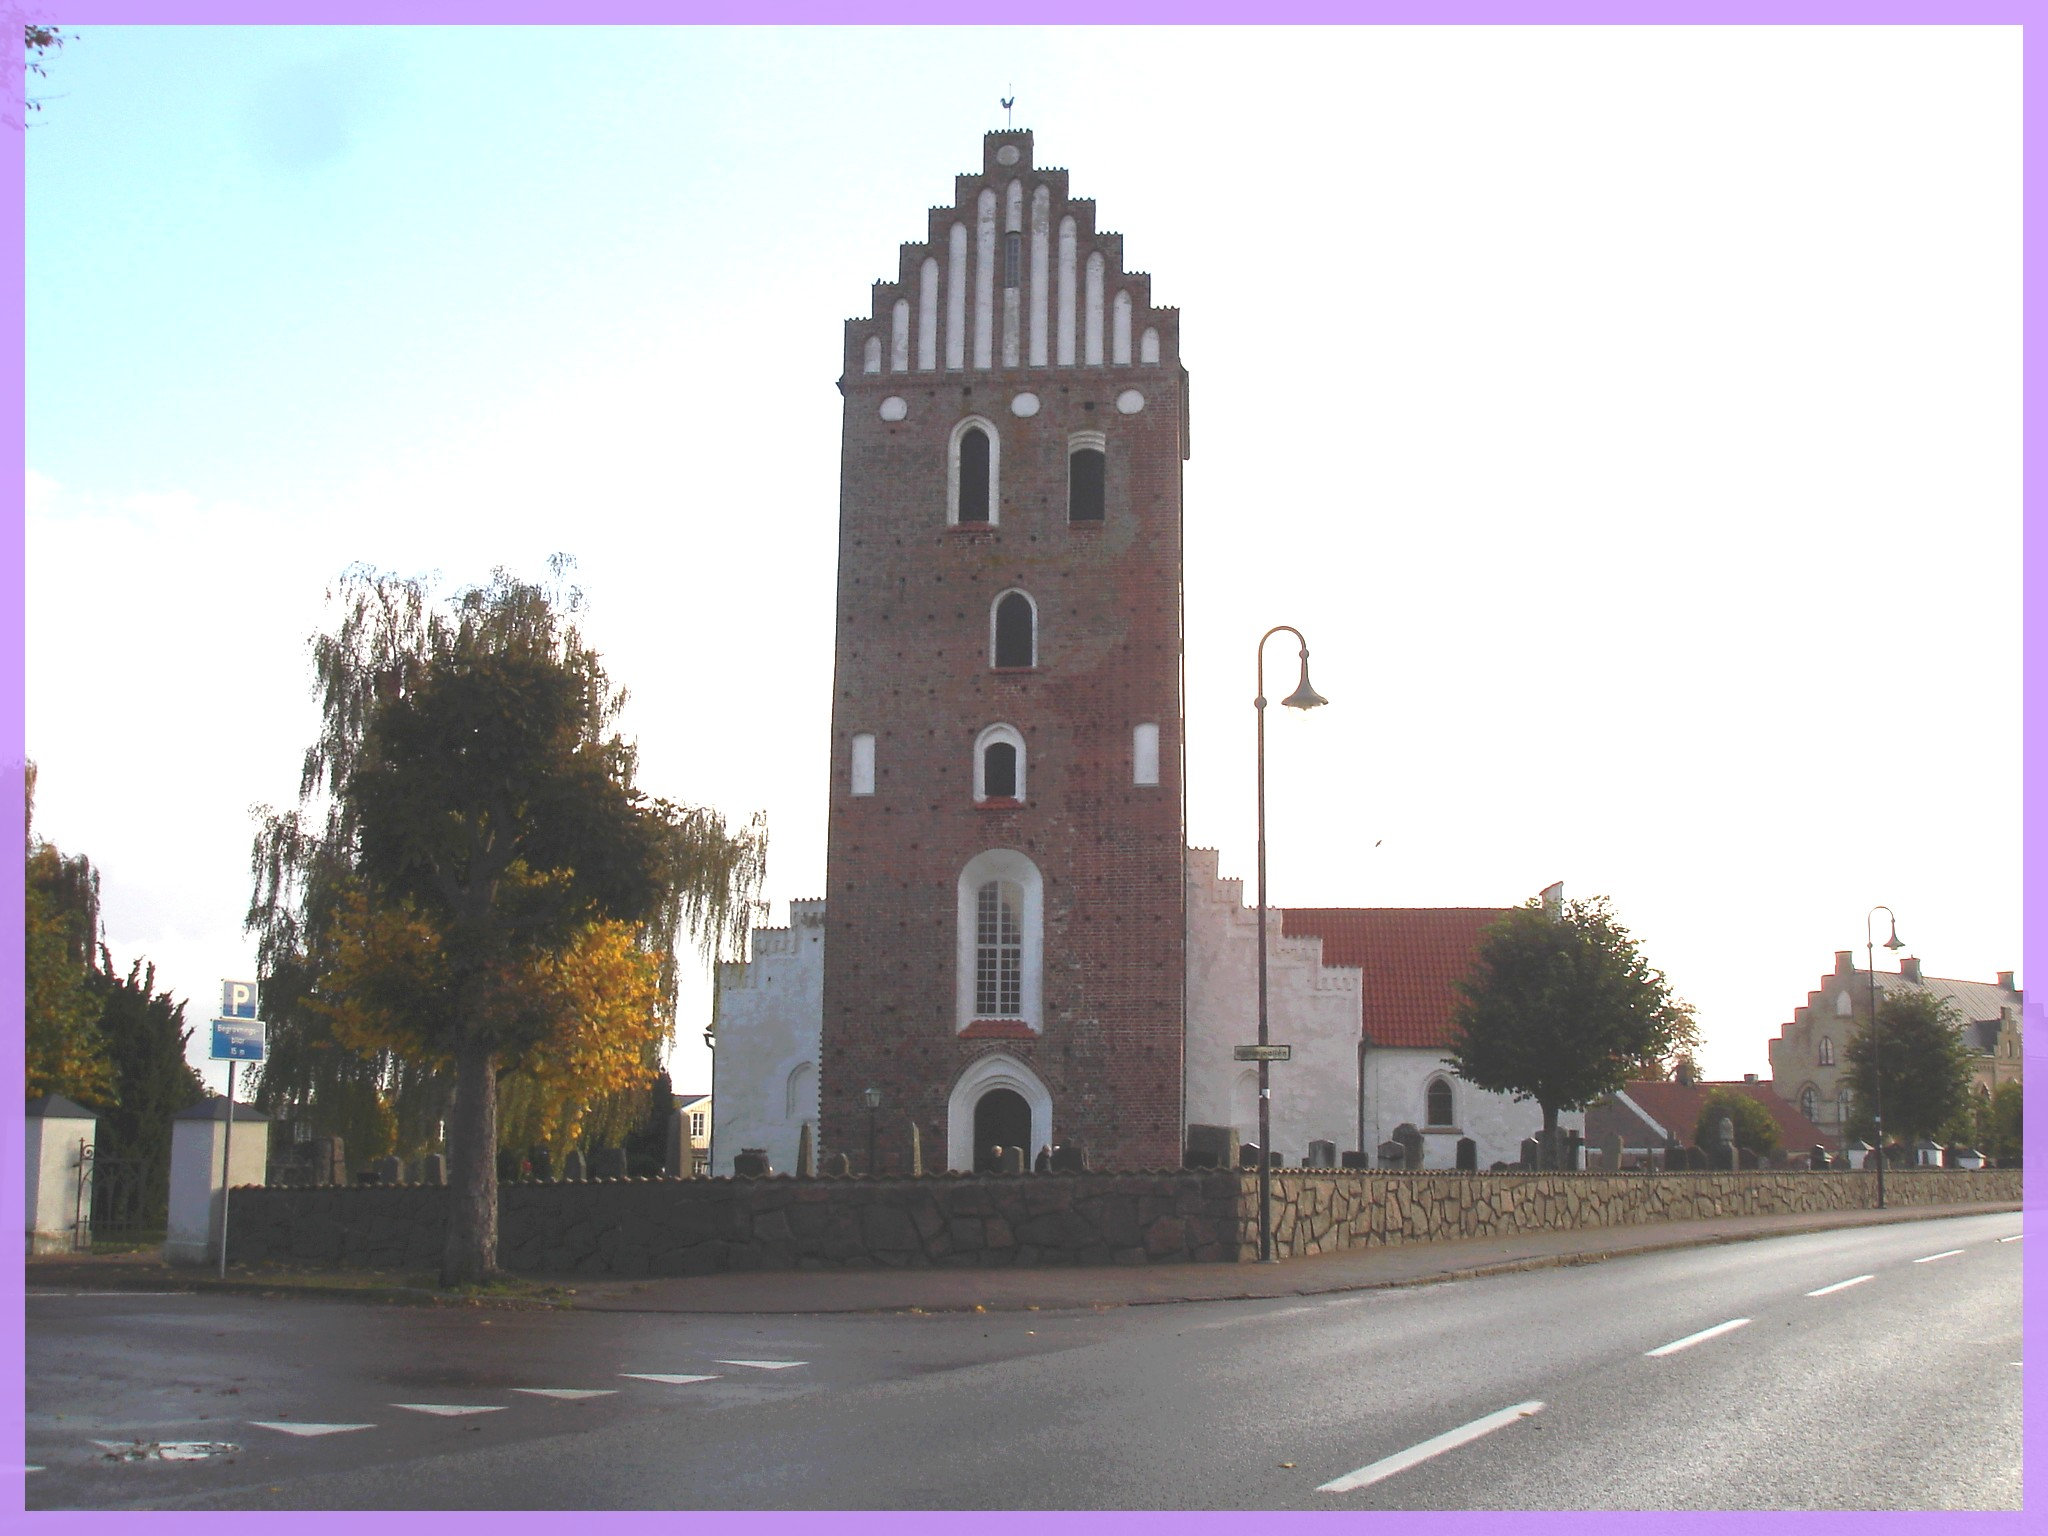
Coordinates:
[1001,1119]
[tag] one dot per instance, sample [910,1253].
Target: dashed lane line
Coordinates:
[307,1430]
[765,1365]
[568,1394]
[450,1410]
[1450,1440]
[2014,1238]
[1701,1337]
[1840,1285]
[1947,1253]
[667,1381]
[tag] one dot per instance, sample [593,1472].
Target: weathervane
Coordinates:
[1009,101]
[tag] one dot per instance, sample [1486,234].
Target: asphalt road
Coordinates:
[1708,1378]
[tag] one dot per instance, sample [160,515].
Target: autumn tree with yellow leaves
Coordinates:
[472,889]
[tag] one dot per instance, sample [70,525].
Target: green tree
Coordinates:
[146,1034]
[1755,1130]
[1925,1062]
[1998,1130]
[1563,1009]
[468,784]
[63,1048]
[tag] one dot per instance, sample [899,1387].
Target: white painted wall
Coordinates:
[771,1015]
[192,1234]
[55,1165]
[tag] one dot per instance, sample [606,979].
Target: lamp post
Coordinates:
[1303,697]
[1876,1060]
[872,1097]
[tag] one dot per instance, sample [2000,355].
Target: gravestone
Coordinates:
[1247,1154]
[390,1171]
[1610,1154]
[1411,1142]
[1043,1162]
[434,1169]
[1012,1160]
[1747,1159]
[329,1160]
[1392,1154]
[836,1165]
[1070,1157]
[572,1167]
[752,1163]
[1357,1161]
[1530,1152]
[1468,1155]
[675,1160]
[1817,1159]
[1212,1146]
[1322,1154]
[542,1164]
[803,1151]
[916,1150]
[608,1163]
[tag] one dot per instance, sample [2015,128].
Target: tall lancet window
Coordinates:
[974,473]
[1013,641]
[999,950]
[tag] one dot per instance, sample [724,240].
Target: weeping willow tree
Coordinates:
[471,889]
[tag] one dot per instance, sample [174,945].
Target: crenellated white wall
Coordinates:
[771,1011]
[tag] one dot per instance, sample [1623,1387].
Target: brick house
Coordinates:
[1808,1060]
[1015,945]
[1650,1115]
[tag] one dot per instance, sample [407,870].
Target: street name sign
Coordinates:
[1264,1053]
[237,1040]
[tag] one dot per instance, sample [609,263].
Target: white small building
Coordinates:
[1363,996]
[61,1139]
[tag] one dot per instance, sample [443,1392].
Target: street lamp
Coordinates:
[872,1097]
[1303,697]
[1876,1062]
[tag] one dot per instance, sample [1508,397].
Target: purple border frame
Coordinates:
[1407,12]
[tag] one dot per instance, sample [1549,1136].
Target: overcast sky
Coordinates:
[1630,419]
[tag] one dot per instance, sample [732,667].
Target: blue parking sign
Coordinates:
[238,999]
[237,1040]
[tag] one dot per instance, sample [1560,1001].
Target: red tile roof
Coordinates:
[1676,1107]
[1412,959]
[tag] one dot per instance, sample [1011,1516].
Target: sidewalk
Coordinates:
[1008,1290]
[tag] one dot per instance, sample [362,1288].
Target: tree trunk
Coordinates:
[1547,1158]
[471,1253]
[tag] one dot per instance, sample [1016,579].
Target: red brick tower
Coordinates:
[1004,948]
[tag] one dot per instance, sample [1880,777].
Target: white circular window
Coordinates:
[1025,404]
[1007,155]
[895,408]
[1130,402]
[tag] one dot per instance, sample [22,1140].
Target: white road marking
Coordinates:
[765,1365]
[568,1394]
[667,1381]
[2014,1238]
[304,1430]
[126,1293]
[1946,1254]
[1701,1337]
[449,1410]
[1840,1285]
[31,1469]
[1450,1440]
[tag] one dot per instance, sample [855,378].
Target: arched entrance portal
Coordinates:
[1001,1119]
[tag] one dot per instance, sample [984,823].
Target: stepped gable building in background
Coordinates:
[1016,947]
[1809,1064]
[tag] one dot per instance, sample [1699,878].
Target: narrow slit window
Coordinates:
[974,478]
[864,763]
[1016,640]
[1013,259]
[1145,754]
[999,771]
[1087,477]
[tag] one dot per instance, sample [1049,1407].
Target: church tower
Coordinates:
[1004,951]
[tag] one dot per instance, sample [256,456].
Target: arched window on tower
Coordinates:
[1013,631]
[974,473]
[1437,1103]
[1001,938]
[1087,477]
[1827,1051]
[999,764]
[1809,1102]
[999,950]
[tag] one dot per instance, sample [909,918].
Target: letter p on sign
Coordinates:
[238,999]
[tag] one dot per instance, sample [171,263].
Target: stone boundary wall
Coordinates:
[635,1227]
[632,1227]
[1324,1212]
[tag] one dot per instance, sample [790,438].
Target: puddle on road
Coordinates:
[163,1450]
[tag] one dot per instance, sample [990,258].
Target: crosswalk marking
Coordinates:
[303,1430]
[766,1365]
[450,1410]
[568,1394]
[1697,1338]
[667,1381]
